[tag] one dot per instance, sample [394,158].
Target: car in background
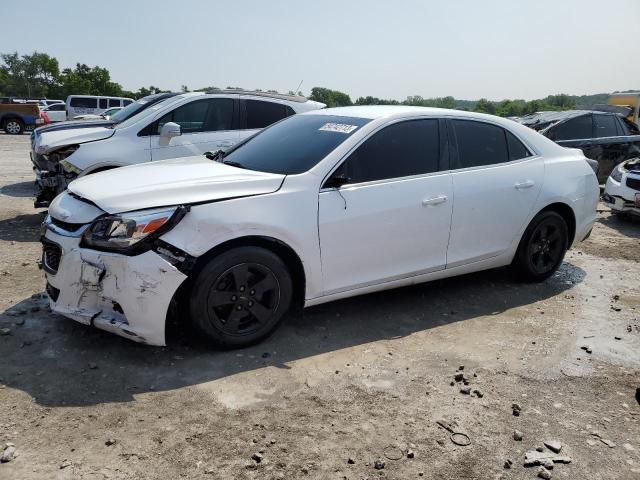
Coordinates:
[622,191]
[93,104]
[321,206]
[56,112]
[178,126]
[605,137]
[106,115]
[15,118]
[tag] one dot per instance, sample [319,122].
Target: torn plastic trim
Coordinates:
[175,256]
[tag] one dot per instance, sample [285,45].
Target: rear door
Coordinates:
[577,132]
[207,124]
[496,181]
[391,220]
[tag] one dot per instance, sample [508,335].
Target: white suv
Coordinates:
[179,126]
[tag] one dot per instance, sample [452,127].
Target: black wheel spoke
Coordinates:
[219,298]
[240,275]
[539,261]
[233,320]
[554,237]
[260,312]
[267,284]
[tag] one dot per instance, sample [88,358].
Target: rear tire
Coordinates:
[13,126]
[240,297]
[542,247]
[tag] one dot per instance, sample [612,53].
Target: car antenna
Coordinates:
[295,92]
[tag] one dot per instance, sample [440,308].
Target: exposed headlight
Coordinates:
[131,232]
[69,168]
[617,173]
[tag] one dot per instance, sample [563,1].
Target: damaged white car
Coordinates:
[622,192]
[320,206]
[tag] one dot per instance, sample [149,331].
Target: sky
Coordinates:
[468,49]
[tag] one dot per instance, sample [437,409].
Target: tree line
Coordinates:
[38,75]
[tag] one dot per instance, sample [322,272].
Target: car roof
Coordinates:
[384,111]
[280,96]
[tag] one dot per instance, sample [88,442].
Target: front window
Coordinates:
[140,110]
[295,144]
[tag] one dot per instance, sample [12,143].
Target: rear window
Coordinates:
[83,102]
[605,126]
[294,145]
[114,102]
[479,144]
[262,114]
[574,129]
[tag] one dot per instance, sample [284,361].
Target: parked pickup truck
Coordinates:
[605,137]
[15,118]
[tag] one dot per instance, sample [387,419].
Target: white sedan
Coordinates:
[320,206]
[622,191]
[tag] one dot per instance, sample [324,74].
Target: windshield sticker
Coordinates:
[338,127]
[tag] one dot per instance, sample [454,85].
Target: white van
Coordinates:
[92,104]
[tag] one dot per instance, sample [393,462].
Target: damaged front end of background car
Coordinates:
[53,173]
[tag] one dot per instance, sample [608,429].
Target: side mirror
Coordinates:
[170,130]
[337,180]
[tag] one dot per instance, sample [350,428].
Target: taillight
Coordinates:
[45,118]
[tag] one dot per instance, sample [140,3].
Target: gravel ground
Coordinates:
[339,386]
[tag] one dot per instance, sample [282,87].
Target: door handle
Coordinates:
[524,184]
[434,200]
[226,143]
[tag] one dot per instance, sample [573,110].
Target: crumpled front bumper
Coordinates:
[621,198]
[128,296]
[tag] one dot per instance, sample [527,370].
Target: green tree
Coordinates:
[28,75]
[331,98]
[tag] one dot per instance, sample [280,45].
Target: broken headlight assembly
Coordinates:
[618,172]
[133,232]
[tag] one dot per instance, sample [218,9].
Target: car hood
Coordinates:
[71,124]
[48,141]
[171,182]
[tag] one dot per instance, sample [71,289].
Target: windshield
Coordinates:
[294,145]
[138,110]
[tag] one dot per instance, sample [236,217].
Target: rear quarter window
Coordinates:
[83,102]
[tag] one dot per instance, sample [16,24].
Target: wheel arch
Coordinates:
[278,247]
[567,213]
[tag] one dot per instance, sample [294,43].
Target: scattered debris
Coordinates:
[478,393]
[508,463]
[393,453]
[586,348]
[553,445]
[608,443]
[534,458]
[65,464]
[458,377]
[544,473]
[411,453]
[5,331]
[110,441]
[516,409]
[257,457]
[351,461]
[466,390]
[379,464]
[517,435]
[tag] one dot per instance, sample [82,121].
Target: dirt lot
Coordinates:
[361,379]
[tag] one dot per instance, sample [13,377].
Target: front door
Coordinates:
[391,219]
[206,125]
[496,181]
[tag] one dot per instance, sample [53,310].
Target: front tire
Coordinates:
[542,247]
[13,126]
[240,297]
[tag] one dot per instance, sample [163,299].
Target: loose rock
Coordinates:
[466,390]
[516,408]
[351,461]
[544,473]
[379,464]
[508,463]
[478,393]
[608,443]
[8,454]
[65,464]
[517,435]
[410,453]
[110,441]
[257,457]
[553,445]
